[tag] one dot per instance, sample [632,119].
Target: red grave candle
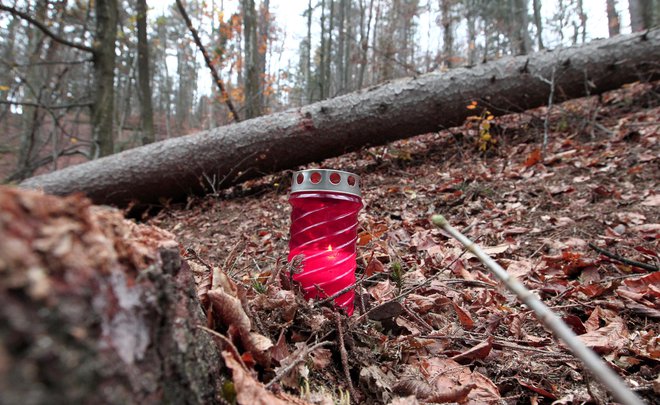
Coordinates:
[325,205]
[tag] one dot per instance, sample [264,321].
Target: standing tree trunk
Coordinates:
[364,40]
[104,76]
[471,16]
[321,66]
[613,24]
[643,14]
[339,56]
[447,33]
[263,39]
[521,29]
[396,110]
[251,59]
[539,23]
[144,77]
[328,53]
[308,62]
[346,80]
[583,20]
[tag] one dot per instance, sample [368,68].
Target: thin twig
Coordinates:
[214,72]
[45,29]
[623,260]
[344,356]
[228,344]
[194,254]
[48,107]
[341,292]
[299,359]
[546,122]
[590,359]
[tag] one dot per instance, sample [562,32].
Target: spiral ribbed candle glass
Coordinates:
[325,205]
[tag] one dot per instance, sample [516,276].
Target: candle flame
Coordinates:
[329,248]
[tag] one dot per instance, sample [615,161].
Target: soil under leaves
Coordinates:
[458,336]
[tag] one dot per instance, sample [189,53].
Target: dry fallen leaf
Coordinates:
[607,339]
[249,391]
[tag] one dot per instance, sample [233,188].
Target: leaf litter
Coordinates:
[431,325]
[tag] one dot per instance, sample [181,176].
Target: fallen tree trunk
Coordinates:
[230,154]
[97,309]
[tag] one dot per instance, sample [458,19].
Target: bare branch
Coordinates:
[591,360]
[45,29]
[214,73]
[48,107]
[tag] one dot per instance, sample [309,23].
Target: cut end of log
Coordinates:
[96,309]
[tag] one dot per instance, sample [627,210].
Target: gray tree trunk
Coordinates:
[643,14]
[104,76]
[613,25]
[144,78]
[403,108]
[308,63]
[251,59]
[447,33]
[539,23]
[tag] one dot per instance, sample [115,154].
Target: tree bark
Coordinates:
[539,23]
[613,25]
[447,33]
[251,60]
[97,309]
[104,76]
[144,77]
[309,89]
[642,14]
[403,108]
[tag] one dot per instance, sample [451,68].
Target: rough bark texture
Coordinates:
[377,115]
[251,60]
[613,24]
[96,309]
[104,76]
[144,78]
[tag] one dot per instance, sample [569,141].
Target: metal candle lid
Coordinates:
[336,181]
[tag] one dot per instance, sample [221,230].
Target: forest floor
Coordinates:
[458,335]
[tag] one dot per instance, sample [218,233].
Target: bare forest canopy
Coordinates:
[83,80]
[217,158]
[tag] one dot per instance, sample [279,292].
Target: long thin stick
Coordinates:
[623,260]
[591,360]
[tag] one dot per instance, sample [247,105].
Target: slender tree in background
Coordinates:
[613,24]
[364,39]
[447,32]
[263,41]
[144,77]
[538,23]
[309,90]
[104,76]
[643,14]
[251,58]
[62,63]
[520,35]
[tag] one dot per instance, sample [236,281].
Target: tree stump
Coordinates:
[96,309]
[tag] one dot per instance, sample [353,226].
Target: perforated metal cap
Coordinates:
[326,180]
